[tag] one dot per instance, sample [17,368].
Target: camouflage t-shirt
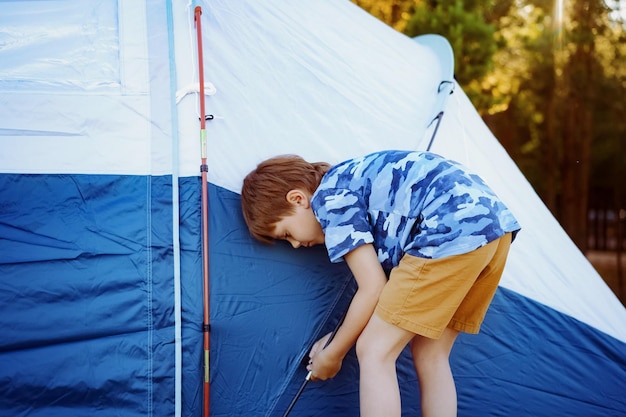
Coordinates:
[407,202]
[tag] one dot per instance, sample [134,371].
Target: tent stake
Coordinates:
[310,373]
[205,217]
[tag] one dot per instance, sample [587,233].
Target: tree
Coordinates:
[394,13]
[471,38]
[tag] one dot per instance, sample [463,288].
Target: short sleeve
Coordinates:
[344,219]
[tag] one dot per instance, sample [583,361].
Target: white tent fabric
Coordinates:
[100,284]
[274,90]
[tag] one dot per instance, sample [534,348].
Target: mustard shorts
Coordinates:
[424,296]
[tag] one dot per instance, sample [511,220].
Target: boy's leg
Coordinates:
[425,296]
[431,359]
[378,347]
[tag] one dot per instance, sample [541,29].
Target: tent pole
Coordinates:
[205,216]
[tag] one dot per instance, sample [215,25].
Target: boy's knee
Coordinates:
[367,351]
[370,351]
[430,358]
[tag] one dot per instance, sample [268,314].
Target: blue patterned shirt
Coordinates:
[407,202]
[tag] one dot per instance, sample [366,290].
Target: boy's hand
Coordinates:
[322,363]
[324,366]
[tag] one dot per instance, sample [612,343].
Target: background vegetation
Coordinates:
[549,79]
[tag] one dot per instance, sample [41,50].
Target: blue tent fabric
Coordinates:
[261,294]
[84,308]
[100,221]
[541,361]
[192,296]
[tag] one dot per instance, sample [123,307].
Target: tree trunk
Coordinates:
[549,154]
[578,132]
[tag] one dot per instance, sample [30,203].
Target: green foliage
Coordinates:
[472,39]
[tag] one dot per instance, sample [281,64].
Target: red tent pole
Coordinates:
[205,215]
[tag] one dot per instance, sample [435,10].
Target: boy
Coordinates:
[426,241]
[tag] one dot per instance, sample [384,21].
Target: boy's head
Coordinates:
[264,192]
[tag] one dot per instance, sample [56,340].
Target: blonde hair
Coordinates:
[264,191]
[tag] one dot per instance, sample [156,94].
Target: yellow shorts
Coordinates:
[424,296]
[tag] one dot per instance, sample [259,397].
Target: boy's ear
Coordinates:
[298,198]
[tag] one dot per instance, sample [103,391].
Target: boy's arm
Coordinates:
[370,279]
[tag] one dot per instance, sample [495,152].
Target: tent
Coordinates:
[100,260]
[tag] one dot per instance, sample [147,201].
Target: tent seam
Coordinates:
[175,218]
[149,291]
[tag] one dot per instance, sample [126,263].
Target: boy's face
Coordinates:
[299,228]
